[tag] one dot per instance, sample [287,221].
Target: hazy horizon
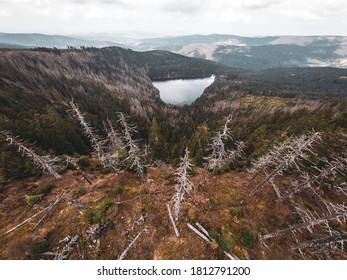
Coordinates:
[144,35]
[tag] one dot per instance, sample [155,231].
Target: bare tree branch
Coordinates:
[183,186]
[45,163]
[287,156]
[133,150]
[340,212]
[97,142]
[220,156]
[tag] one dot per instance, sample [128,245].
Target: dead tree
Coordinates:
[265,162]
[45,212]
[183,186]
[131,146]
[172,221]
[331,171]
[339,213]
[68,248]
[204,235]
[220,155]
[46,163]
[114,140]
[331,241]
[97,142]
[288,156]
[49,209]
[132,243]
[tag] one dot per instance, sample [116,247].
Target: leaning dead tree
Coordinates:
[221,156]
[335,241]
[172,220]
[339,214]
[134,157]
[97,143]
[49,209]
[329,173]
[283,157]
[46,163]
[45,212]
[204,235]
[183,186]
[132,243]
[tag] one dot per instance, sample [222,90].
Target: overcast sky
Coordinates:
[169,17]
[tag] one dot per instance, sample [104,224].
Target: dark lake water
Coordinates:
[180,92]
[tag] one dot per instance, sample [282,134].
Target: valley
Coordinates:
[268,149]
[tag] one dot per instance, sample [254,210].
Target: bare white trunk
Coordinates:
[132,243]
[172,221]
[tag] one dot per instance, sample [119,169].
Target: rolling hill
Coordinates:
[230,50]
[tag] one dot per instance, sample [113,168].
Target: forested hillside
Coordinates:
[256,165]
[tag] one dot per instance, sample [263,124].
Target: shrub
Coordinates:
[98,214]
[219,171]
[84,162]
[263,230]
[214,201]
[40,247]
[119,190]
[80,191]
[223,240]
[236,211]
[44,190]
[33,199]
[247,236]
[191,214]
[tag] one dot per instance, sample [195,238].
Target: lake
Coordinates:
[183,91]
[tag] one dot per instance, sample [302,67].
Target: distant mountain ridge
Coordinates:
[34,40]
[258,52]
[236,51]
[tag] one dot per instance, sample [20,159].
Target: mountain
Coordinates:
[230,50]
[281,134]
[40,83]
[258,53]
[27,40]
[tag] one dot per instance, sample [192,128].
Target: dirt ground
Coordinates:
[134,206]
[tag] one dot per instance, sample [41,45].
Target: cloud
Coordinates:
[260,4]
[185,7]
[247,17]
